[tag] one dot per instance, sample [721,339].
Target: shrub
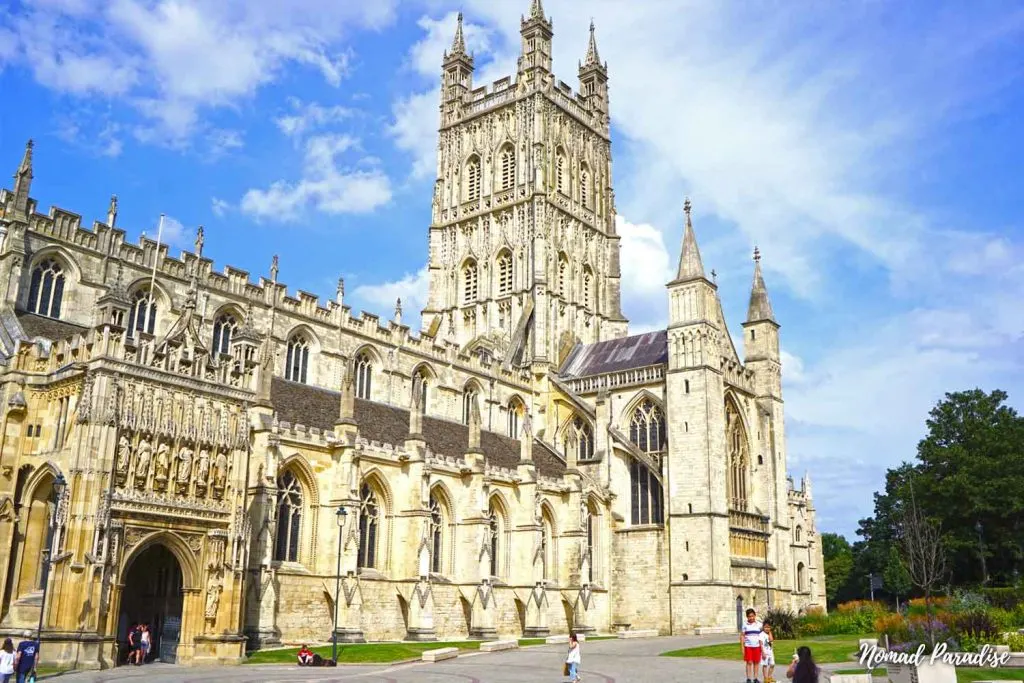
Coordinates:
[1015,641]
[1003,619]
[1004,598]
[783,621]
[815,611]
[858,606]
[894,626]
[968,601]
[920,632]
[976,627]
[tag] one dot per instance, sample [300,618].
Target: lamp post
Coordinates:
[59,484]
[768,534]
[341,515]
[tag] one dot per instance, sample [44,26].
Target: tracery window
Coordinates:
[508,168]
[515,409]
[560,180]
[469,398]
[504,273]
[579,436]
[369,520]
[584,186]
[142,316]
[647,427]
[494,529]
[297,359]
[223,329]
[736,442]
[470,283]
[563,275]
[799,534]
[546,547]
[46,290]
[436,535]
[588,281]
[591,544]
[473,175]
[364,376]
[289,518]
[646,495]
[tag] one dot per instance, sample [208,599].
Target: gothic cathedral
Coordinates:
[208,454]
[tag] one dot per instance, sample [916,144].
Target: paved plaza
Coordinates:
[604,661]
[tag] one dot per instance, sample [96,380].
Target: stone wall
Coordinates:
[640,575]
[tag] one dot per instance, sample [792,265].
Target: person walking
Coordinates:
[750,640]
[7,661]
[132,645]
[573,658]
[25,660]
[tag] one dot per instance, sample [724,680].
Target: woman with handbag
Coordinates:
[572,660]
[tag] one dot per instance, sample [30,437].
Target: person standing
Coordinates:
[803,668]
[25,659]
[768,654]
[573,658]
[7,661]
[146,641]
[750,640]
[132,645]
[137,639]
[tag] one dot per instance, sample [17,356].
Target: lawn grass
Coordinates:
[874,672]
[360,653]
[989,674]
[826,649]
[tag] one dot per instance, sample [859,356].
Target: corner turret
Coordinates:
[691,295]
[760,331]
[594,79]
[457,74]
[535,54]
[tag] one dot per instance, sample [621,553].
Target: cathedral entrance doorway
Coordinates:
[152,595]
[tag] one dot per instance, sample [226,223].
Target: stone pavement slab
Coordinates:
[604,661]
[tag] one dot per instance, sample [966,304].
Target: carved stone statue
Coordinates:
[184,465]
[163,462]
[145,456]
[584,513]
[213,598]
[203,467]
[124,456]
[220,471]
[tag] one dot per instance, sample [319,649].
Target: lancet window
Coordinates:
[289,518]
[142,316]
[578,437]
[223,329]
[46,289]
[738,457]
[297,359]
[647,427]
[646,495]
[369,522]
[364,376]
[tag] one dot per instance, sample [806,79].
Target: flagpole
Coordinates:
[152,279]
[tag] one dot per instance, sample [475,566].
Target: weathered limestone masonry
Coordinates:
[519,467]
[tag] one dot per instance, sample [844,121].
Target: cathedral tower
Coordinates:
[524,258]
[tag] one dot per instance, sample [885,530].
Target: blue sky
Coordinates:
[871,150]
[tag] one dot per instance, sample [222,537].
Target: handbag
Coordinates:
[565,669]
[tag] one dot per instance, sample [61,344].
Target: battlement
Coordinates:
[65,228]
[503,91]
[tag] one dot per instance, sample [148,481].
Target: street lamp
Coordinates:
[59,484]
[768,535]
[341,515]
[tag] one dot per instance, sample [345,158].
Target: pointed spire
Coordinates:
[690,265]
[23,181]
[340,295]
[592,58]
[398,312]
[760,307]
[459,42]
[200,241]
[112,212]
[536,9]
[26,161]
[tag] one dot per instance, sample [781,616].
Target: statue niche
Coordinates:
[124,458]
[145,454]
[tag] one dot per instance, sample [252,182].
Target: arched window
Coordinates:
[579,436]
[800,579]
[646,495]
[436,535]
[799,533]
[297,359]
[46,291]
[736,443]
[369,520]
[560,180]
[470,282]
[563,275]
[546,546]
[223,328]
[508,167]
[504,273]
[588,285]
[364,376]
[591,544]
[289,518]
[647,427]
[584,185]
[473,179]
[142,316]
[469,397]
[515,411]
[495,527]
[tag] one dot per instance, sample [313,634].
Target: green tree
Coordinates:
[895,576]
[838,557]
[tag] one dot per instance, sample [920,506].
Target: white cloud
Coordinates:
[646,268]
[170,59]
[412,289]
[309,116]
[324,186]
[174,234]
[219,207]
[415,131]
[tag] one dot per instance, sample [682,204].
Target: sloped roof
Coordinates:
[614,355]
[317,407]
[40,326]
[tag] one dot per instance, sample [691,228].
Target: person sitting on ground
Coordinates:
[803,669]
[305,656]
